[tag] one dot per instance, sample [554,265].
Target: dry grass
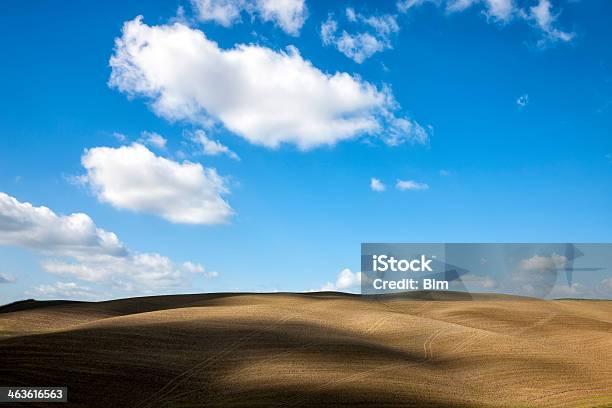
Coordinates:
[301,350]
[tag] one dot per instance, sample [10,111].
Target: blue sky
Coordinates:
[503,115]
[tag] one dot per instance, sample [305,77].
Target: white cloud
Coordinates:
[376,185]
[498,10]
[211,147]
[542,15]
[410,185]
[537,275]
[153,139]
[76,248]
[346,280]
[504,11]
[63,290]
[40,228]
[543,263]
[132,177]
[362,45]
[445,173]
[223,12]
[359,46]
[404,5]
[522,100]
[328,30]
[133,272]
[265,96]
[289,15]
[199,269]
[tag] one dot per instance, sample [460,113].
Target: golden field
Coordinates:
[319,349]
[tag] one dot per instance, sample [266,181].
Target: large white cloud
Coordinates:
[40,228]
[266,96]
[289,15]
[75,247]
[134,178]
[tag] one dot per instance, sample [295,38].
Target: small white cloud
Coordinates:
[445,173]
[223,12]
[346,280]
[358,46]
[153,139]
[544,19]
[501,10]
[197,268]
[497,10]
[289,15]
[211,147]
[361,45]
[522,100]
[256,92]
[404,5]
[410,185]
[133,178]
[376,185]
[543,263]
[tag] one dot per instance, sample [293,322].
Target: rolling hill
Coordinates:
[318,349]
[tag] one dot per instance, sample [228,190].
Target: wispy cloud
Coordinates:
[522,100]
[404,185]
[153,139]
[211,147]
[541,15]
